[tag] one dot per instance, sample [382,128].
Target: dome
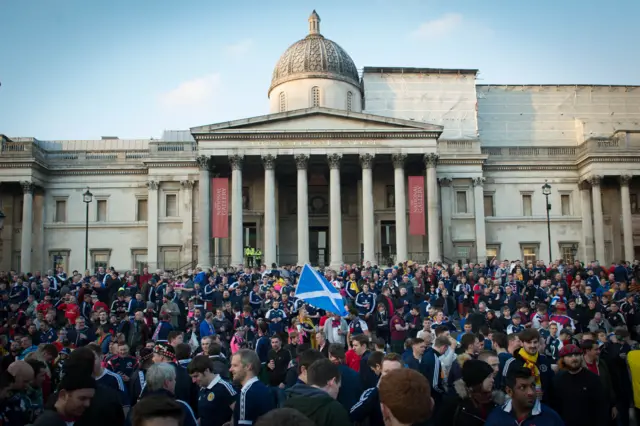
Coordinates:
[315,57]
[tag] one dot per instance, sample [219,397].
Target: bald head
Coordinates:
[23,374]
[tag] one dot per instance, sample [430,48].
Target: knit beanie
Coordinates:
[474,372]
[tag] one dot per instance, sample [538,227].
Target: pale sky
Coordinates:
[78,69]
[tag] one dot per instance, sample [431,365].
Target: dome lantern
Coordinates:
[314,24]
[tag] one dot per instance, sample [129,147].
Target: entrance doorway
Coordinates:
[319,245]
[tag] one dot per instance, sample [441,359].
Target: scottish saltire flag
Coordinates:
[314,289]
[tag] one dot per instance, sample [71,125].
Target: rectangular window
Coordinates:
[100,259]
[488,206]
[61,211]
[493,252]
[171,208]
[101,211]
[59,259]
[565,204]
[527,209]
[529,254]
[567,251]
[141,213]
[171,259]
[139,258]
[461,201]
[463,252]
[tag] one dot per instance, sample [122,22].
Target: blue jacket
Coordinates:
[206,329]
[350,387]
[431,368]
[541,415]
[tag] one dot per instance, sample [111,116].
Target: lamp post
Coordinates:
[546,190]
[87,197]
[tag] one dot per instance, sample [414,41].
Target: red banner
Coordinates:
[220,208]
[416,206]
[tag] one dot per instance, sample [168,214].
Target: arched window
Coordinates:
[349,100]
[315,96]
[283,102]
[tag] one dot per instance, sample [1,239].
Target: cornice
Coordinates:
[96,225]
[461,161]
[540,219]
[415,134]
[192,163]
[529,167]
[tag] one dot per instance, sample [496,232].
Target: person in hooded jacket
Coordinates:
[317,398]
[474,398]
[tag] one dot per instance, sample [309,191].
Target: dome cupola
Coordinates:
[320,62]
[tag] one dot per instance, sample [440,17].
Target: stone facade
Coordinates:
[322,178]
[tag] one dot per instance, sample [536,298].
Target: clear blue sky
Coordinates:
[81,69]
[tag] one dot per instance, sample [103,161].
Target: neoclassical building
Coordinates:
[322,178]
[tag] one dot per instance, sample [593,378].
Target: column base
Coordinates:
[336,265]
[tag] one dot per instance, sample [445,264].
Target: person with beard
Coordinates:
[523,408]
[255,397]
[473,399]
[580,397]
[538,364]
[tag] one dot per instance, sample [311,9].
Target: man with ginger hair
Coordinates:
[402,385]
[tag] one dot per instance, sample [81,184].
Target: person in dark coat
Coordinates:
[75,392]
[185,389]
[350,387]
[474,397]
[317,398]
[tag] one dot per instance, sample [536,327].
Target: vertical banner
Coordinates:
[220,207]
[416,206]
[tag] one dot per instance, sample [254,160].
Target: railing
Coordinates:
[184,268]
[287,259]
[519,153]
[459,147]
[29,148]
[421,257]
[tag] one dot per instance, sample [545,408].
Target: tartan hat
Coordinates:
[165,350]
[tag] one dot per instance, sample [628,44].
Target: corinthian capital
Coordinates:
[625,179]
[431,160]
[28,187]
[334,160]
[445,181]
[595,180]
[152,185]
[187,184]
[204,162]
[302,161]
[398,160]
[366,161]
[236,162]
[269,161]
[478,181]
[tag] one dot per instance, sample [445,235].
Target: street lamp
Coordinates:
[546,190]
[87,197]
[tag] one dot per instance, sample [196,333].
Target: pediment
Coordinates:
[314,119]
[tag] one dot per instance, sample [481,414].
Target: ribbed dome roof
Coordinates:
[314,57]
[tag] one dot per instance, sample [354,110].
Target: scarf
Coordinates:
[530,362]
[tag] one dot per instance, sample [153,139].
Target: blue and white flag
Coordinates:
[314,289]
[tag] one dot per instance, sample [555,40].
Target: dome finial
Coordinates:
[314,23]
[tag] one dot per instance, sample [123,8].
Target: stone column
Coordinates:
[368,227]
[303,209]
[587,249]
[237,251]
[447,197]
[187,221]
[270,243]
[627,225]
[481,236]
[152,225]
[204,221]
[27,227]
[598,220]
[335,213]
[400,194]
[433,221]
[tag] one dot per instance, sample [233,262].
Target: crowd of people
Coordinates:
[432,344]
